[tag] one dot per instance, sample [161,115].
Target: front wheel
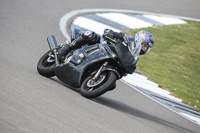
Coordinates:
[46,65]
[105,82]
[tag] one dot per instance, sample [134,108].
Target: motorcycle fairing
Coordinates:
[72,71]
[76,32]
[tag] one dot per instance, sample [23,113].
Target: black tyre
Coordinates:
[46,65]
[104,83]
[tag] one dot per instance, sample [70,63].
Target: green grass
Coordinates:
[174,61]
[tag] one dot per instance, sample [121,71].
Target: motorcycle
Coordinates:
[92,68]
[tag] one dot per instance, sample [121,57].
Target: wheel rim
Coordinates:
[91,84]
[48,61]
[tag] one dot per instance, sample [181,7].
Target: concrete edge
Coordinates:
[66,19]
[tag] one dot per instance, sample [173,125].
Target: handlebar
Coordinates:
[111,40]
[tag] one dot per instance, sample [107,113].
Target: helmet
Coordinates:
[145,40]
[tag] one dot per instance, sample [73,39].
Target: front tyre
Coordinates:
[46,65]
[105,82]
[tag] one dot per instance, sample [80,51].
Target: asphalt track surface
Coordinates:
[32,103]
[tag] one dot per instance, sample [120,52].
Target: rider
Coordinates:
[138,45]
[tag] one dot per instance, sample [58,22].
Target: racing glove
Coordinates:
[111,34]
[108,33]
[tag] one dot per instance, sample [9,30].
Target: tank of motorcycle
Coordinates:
[71,72]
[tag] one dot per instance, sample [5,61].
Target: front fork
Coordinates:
[99,71]
[54,47]
[103,68]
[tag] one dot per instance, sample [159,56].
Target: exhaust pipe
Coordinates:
[54,47]
[52,42]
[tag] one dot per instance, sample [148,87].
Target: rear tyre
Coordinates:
[46,65]
[104,83]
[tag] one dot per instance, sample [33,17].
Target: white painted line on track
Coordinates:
[91,25]
[186,116]
[132,23]
[142,84]
[165,20]
[191,117]
[65,19]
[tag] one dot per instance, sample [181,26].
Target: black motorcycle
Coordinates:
[92,68]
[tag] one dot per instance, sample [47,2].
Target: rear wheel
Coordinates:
[105,82]
[46,65]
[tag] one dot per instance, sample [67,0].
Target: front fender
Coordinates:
[110,68]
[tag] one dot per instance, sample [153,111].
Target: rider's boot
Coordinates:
[88,37]
[68,47]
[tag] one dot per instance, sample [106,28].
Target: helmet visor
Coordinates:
[145,47]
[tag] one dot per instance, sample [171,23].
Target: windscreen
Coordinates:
[133,47]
